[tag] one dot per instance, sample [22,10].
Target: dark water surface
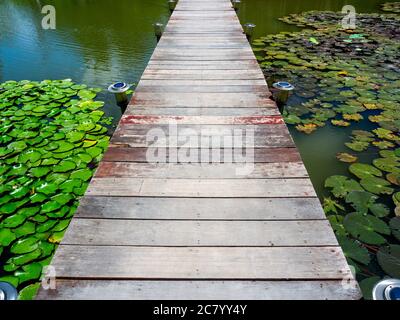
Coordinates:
[100,41]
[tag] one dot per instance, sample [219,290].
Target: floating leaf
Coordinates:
[353,250]
[376,185]
[342,185]
[362,170]
[366,228]
[331,206]
[346,157]
[389,260]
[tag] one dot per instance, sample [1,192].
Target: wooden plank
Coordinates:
[244,122]
[199,171]
[138,111]
[150,74]
[261,155]
[199,233]
[201,139]
[256,263]
[210,188]
[200,208]
[202,100]
[201,89]
[199,290]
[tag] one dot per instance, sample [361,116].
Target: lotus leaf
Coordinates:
[6,237]
[82,174]
[64,166]
[13,221]
[362,170]
[330,206]
[395,227]
[24,259]
[358,146]
[366,228]
[387,164]
[376,185]
[346,157]
[25,246]
[367,286]
[353,250]
[342,185]
[47,188]
[389,260]
[29,272]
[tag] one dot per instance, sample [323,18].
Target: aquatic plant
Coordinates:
[53,135]
[391,7]
[343,77]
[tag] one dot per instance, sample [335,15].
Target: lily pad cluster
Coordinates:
[343,77]
[52,136]
[391,7]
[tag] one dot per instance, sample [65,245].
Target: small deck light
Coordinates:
[158,30]
[8,291]
[172,5]
[120,89]
[236,4]
[388,289]
[249,29]
[281,93]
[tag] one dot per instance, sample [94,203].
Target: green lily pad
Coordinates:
[29,272]
[64,166]
[25,246]
[394,225]
[6,237]
[346,157]
[367,286]
[29,292]
[353,250]
[362,170]
[366,228]
[25,258]
[75,136]
[342,185]
[50,206]
[47,188]
[389,260]
[376,185]
[361,201]
[83,174]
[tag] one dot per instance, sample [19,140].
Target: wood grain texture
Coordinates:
[251,263]
[198,290]
[139,208]
[199,233]
[201,188]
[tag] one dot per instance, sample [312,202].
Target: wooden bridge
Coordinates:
[201,230]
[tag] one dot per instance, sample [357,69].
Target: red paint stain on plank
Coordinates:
[259,120]
[141,119]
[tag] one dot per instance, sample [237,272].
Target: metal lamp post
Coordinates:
[249,30]
[388,289]
[172,5]
[236,4]
[8,291]
[158,30]
[281,93]
[119,89]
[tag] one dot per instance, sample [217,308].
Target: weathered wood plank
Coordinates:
[150,74]
[188,112]
[199,290]
[199,171]
[200,208]
[199,233]
[210,188]
[261,155]
[257,263]
[203,100]
[243,122]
